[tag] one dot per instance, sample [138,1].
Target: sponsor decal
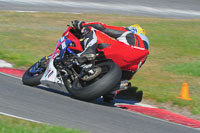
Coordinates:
[50,74]
[47,72]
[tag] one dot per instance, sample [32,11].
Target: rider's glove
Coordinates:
[77,24]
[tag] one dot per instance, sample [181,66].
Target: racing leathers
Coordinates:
[121,34]
[98,33]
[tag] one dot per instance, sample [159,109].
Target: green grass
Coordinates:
[189,68]
[13,125]
[174,49]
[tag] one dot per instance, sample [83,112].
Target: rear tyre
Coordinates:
[104,83]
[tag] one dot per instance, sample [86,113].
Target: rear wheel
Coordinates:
[109,76]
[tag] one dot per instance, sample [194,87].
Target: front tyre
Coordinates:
[33,74]
[107,80]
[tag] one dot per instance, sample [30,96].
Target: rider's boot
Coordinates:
[110,96]
[84,58]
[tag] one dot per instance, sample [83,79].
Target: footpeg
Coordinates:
[124,85]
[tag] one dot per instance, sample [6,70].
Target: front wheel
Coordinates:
[105,82]
[33,74]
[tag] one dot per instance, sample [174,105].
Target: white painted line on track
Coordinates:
[107,6]
[6,114]
[23,11]
[137,104]
[10,115]
[10,76]
[17,77]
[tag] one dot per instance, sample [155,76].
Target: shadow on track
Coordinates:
[129,96]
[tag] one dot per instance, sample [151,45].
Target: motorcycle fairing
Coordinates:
[126,56]
[51,76]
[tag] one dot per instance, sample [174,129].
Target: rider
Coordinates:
[94,31]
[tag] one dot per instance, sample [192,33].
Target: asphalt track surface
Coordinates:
[48,106]
[182,9]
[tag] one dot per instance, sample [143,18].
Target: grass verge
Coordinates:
[191,68]
[14,125]
[174,49]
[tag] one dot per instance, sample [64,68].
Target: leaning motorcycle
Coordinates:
[96,77]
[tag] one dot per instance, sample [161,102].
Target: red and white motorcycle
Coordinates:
[97,77]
